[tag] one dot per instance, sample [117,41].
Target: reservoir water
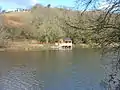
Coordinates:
[78,69]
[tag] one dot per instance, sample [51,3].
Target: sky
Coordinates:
[13,4]
[9,5]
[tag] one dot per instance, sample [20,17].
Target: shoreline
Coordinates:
[26,46]
[39,47]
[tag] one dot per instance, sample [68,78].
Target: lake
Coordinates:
[79,69]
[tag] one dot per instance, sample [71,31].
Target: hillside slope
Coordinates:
[15,19]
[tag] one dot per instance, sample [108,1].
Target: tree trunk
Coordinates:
[46,39]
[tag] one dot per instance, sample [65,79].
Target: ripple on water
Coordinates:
[20,78]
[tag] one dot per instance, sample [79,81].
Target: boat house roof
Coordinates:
[67,39]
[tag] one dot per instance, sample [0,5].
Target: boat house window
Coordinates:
[67,41]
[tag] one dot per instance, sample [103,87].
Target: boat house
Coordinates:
[65,43]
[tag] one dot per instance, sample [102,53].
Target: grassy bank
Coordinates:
[93,45]
[25,46]
[33,45]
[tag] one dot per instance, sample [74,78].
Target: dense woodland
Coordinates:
[47,24]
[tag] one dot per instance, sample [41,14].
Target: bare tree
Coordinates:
[105,27]
[3,31]
[49,5]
